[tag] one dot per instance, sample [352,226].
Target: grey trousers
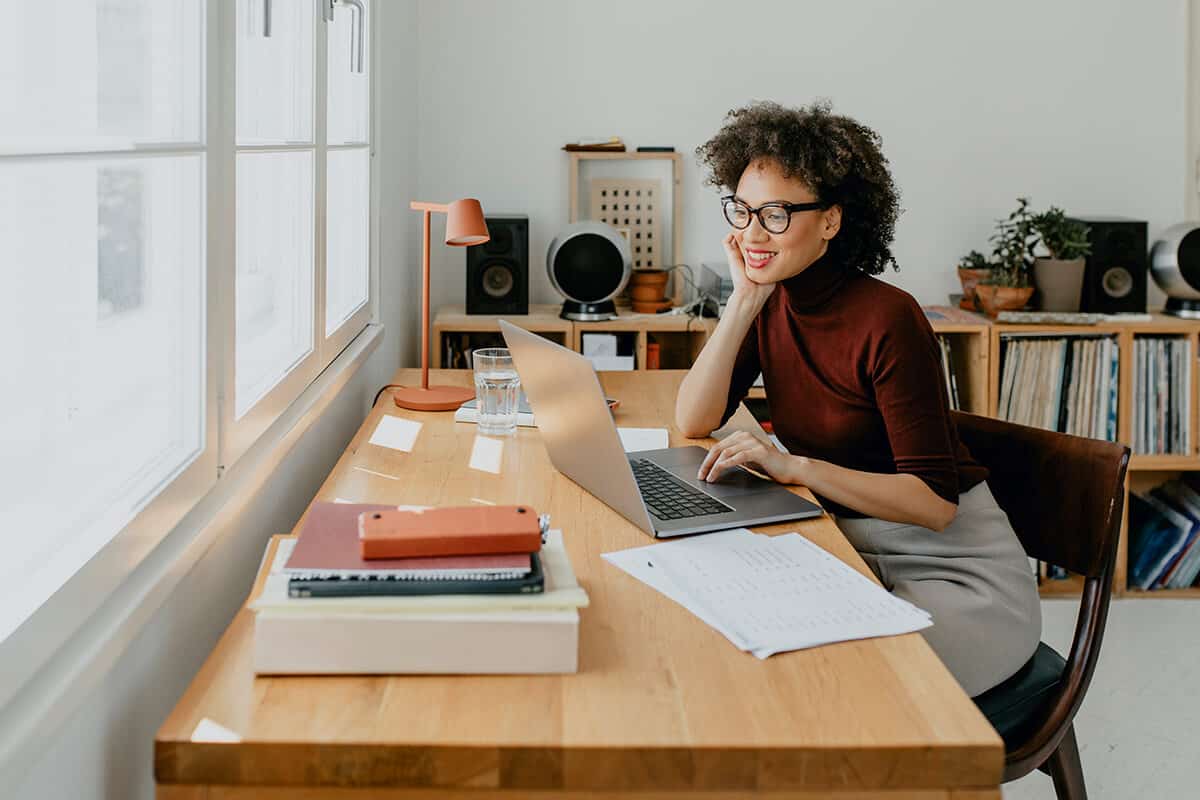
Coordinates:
[973,577]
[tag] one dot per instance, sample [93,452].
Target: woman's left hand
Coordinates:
[744,449]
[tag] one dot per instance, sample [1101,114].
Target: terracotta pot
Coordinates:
[994,299]
[1059,283]
[648,277]
[646,292]
[970,278]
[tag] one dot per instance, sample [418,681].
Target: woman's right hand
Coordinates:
[754,293]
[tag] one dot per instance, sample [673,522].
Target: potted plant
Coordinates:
[972,269]
[1059,278]
[1008,287]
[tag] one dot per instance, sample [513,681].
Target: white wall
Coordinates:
[106,749]
[1080,104]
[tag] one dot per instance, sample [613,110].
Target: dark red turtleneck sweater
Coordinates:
[853,376]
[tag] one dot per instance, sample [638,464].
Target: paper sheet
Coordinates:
[770,594]
[396,432]
[635,439]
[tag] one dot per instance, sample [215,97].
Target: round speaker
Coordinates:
[589,263]
[1175,265]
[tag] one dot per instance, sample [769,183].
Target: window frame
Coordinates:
[63,608]
[238,435]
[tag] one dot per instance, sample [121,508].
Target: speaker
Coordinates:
[498,270]
[1114,280]
[589,264]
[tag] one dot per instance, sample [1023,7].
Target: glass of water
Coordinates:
[496,389]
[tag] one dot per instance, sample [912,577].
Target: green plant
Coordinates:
[1012,247]
[1066,239]
[974,260]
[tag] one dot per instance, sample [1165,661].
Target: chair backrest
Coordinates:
[1064,496]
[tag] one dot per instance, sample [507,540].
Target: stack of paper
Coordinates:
[770,594]
[433,634]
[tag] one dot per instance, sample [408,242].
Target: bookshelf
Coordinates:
[975,346]
[1145,470]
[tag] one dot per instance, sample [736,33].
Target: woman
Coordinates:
[853,377]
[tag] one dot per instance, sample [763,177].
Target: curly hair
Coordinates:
[836,157]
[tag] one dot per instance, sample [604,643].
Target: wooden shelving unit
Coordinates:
[680,338]
[975,347]
[1145,471]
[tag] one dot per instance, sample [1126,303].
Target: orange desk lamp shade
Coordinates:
[465,226]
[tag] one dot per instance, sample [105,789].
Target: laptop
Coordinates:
[656,490]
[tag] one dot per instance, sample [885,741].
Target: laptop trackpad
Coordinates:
[684,462]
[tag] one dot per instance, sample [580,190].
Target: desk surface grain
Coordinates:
[661,704]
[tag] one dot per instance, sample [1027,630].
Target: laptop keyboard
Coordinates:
[670,498]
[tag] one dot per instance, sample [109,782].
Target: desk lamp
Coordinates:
[465,226]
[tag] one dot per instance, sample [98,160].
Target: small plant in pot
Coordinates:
[1008,287]
[972,269]
[1059,278]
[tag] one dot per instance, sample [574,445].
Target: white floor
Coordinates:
[1138,726]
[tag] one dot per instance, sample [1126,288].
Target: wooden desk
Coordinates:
[663,706]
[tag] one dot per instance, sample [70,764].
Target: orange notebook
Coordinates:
[449,531]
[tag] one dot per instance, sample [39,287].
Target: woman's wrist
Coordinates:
[798,470]
[741,304]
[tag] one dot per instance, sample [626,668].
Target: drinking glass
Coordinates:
[496,390]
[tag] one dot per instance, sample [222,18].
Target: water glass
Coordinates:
[496,390]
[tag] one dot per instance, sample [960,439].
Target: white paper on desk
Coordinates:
[636,439]
[640,563]
[396,432]
[784,593]
[769,594]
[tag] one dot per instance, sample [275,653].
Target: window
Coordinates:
[148,336]
[302,179]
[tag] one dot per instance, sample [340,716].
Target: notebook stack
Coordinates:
[324,608]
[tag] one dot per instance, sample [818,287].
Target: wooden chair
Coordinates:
[1064,496]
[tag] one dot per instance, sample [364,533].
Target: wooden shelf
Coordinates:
[1160,463]
[680,337]
[1071,586]
[1165,594]
[975,348]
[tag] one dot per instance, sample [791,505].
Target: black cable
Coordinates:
[381,391]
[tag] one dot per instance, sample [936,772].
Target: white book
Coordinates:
[1008,379]
[1139,396]
[1073,387]
[516,642]
[1187,398]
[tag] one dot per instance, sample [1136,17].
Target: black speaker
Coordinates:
[1115,277]
[498,271]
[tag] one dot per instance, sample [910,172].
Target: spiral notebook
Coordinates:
[328,549]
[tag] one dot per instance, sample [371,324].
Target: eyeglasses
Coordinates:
[774,217]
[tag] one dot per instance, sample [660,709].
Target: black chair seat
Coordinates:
[1014,707]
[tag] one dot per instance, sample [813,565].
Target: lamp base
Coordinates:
[435,398]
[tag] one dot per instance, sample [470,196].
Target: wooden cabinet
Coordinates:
[677,338]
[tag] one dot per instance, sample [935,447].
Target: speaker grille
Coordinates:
[589,268]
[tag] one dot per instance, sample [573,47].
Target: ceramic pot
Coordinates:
[970,278]
[1059,283]
[648,290]
[994,299]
